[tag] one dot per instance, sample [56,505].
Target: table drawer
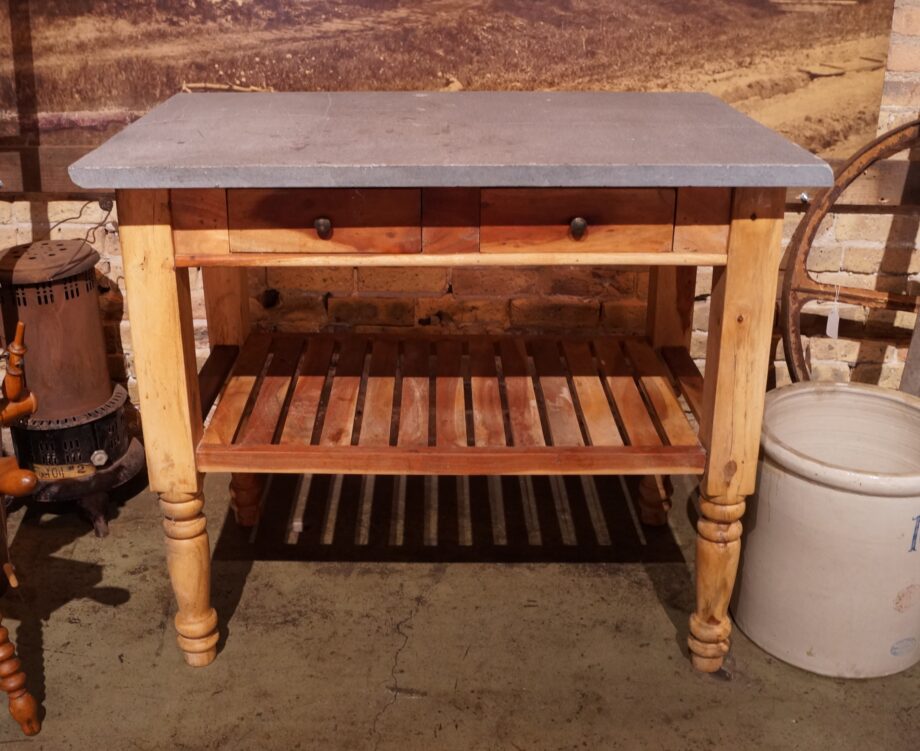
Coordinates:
[576,220]
[340,220]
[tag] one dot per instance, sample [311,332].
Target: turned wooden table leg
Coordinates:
[737,362]
[159,302]
[655,499]
[718,548]
[188,558]
[23,706]
[245,496]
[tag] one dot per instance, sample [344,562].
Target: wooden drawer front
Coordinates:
[362,221]
[539,219]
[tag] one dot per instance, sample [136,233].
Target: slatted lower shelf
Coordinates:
[456,405]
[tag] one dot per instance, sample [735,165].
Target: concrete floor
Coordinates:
[466,648]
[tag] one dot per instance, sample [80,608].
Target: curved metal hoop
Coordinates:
[799,288]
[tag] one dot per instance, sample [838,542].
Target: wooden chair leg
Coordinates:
[655,499]
[23,706]
[245,497]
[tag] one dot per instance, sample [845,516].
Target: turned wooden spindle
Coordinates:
[655,499]
[16,402]
[718,549]
[245,497]
[188,559]
[23,706]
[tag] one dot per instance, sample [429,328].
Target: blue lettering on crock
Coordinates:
[913,544]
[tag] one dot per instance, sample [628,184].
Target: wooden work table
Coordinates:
[666,181]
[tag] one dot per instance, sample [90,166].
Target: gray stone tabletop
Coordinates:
[417,139]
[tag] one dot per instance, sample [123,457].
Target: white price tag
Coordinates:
[833,319]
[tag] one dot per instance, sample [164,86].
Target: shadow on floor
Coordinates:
[381,519]
[451,519]
[51,580]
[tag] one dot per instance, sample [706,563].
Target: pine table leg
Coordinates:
[737,361]
[245,495]
[159,302]
[655,499]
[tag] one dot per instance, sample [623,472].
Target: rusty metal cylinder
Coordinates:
[50,286]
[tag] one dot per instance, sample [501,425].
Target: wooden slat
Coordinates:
[595,409]
[214,373]
[560,409]
[523,413]
[619,219]
[364,221]
[339,422]
[440,443]
[377,415]
[688,376]
[655,381]
[413,411]
[488,425]
[468,460]
[640,430]
[450,426]
[223,426]
[263,420]
[301,413]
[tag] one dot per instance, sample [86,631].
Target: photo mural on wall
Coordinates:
[75,71]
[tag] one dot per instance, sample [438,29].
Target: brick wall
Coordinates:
[872,250]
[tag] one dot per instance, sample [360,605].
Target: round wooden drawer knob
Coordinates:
[578,226]
[323,227]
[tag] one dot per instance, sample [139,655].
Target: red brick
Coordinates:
[585,281]
[553,313]
[321,280]
[501,282]
[449,312]
[431,281]
[294,312]
[642,281]
[372,311]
